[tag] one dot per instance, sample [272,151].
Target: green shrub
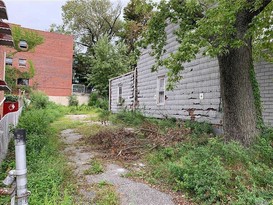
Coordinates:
[130,118]
[95,100]
[199,128]
[73,100]
[39,100]
[11,98]
[202,175]
[35,121]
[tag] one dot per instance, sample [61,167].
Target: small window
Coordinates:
[161,90]
[9,61]
[23,45]
[22,81]
[22,62]
[120,99]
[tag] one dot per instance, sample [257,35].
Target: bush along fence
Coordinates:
[8,122]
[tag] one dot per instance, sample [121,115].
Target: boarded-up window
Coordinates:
[9,61]
[161,90]
[22,62]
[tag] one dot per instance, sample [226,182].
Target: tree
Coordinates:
[57,29]
[110,60]
[226,29]
[136,15]
[89,20]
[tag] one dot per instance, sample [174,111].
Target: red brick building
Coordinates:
[53,65]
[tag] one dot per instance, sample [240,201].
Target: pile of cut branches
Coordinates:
[130,144]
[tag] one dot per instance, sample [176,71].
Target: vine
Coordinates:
[257,97]
[32,39]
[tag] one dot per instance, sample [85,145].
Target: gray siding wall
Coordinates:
[264,73]
[127,83]
[200,77]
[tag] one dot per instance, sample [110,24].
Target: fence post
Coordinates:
[21,167]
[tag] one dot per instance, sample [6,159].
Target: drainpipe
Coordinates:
[21,167]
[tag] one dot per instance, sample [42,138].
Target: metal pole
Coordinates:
[21,167]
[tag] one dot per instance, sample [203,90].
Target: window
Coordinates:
[22,62]
[23,45]
[120,99]
[22,81]
[161,90]
[8,61]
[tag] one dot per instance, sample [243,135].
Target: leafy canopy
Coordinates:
[89,20]
[207,25]
[110,60]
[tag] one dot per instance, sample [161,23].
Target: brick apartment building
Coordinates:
[53,65]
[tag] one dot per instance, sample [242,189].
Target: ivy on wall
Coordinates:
[32,39]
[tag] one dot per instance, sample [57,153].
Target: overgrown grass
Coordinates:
[216,172]
[105,194]
[95,168]
[48,172]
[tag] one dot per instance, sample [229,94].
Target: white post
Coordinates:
[21,167]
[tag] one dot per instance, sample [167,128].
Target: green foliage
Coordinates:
[11,77]
[47,169]
[95,100]
[136,15]
[31,37]
[73,100]
[106,194]
[96,168]
[206,25]
[109,61]
[11,98]
[39,100]
[130,118]
[257,97]
[89,20]
[199,128]
[31,69]
[217,172]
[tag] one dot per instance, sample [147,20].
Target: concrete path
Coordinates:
[130,192]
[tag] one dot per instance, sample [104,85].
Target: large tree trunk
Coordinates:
[239,118]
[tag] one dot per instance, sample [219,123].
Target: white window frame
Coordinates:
[160,90]
[11,61]
[22,65]
[119,94]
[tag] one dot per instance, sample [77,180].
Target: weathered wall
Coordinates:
[200,77]
[264,73]
[64,100]
[127,83]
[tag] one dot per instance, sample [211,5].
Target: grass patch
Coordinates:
[90,130]
[49,177]
[215,172]
[95,168]
[105,194]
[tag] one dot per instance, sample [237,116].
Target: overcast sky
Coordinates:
[37,14]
